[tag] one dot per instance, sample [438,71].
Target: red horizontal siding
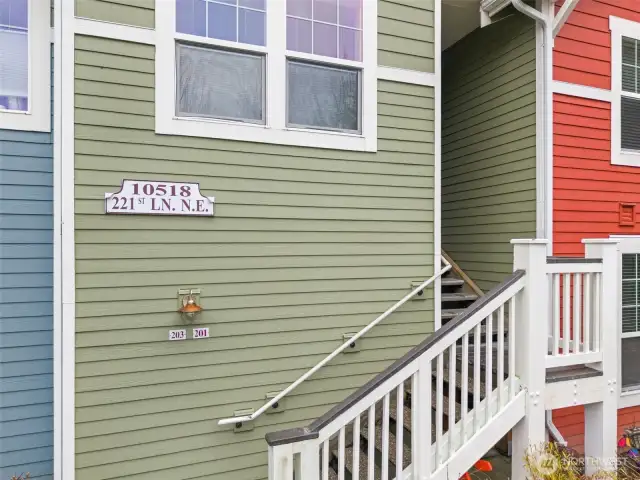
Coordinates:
[587,189]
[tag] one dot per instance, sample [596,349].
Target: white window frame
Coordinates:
[620,27]
[275,130]
[628,244]
[38,117]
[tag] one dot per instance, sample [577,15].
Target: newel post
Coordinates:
[281,462]
[531,324]
[600,426]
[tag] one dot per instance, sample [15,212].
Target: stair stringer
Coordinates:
[478,445]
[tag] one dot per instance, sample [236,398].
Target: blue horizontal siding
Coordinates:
[26,296]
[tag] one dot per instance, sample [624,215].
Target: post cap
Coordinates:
[529,241]
[601,241]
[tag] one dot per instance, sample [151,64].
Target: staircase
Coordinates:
[456,296]
[455,300]
[436,411]
[383,431]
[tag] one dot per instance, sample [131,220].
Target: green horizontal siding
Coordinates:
[139,13]
[406,37]
[489,147]
[306,245]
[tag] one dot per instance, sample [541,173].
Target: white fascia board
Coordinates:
[491,7]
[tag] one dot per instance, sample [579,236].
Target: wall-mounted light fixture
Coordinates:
[189,304]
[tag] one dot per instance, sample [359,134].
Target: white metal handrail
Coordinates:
[337,351]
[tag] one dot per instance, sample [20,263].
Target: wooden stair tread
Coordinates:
[451,282]
[450,313]
[459,297]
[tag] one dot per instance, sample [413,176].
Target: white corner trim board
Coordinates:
[64,281]
[406,76]
[437,180]
[582,91]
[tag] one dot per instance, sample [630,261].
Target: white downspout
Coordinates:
[544,168]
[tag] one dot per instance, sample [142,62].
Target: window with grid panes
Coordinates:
[630,321]
[630,99]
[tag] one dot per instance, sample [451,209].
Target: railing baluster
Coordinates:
[512,343]
[341,449]
[439,412]
[476,377]
[399,430]
[355,469]
[371,445]
[385,437]
[566,312]
[587,312]
[488,350]
[556,313]
[452,395]
[577,300]
[597,317]
[500,355]
[464,380]
[416,446]
[325,460]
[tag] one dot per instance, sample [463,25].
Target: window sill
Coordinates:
[25,121]
[629,398]
[628,158]
[247,132]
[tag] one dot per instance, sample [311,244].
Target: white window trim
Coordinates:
[620,27]
[38,118]
[627,244]
[275,130]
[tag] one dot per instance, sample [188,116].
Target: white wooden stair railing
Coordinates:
[450,449]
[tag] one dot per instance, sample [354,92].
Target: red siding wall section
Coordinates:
[588,191]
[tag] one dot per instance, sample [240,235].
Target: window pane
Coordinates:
[350,13]
[630,365]
[13,13]
[299,35]
[325,11]
[14,70]
[220,84]
[630,114]
[350,44]
[257,4]
[628,51]
[300,8]
[325,39]
[251,27]
[222,22]
[191,17]
[629,267]
[629,78]
[323,97]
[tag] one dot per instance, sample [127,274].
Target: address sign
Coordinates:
[139,197]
